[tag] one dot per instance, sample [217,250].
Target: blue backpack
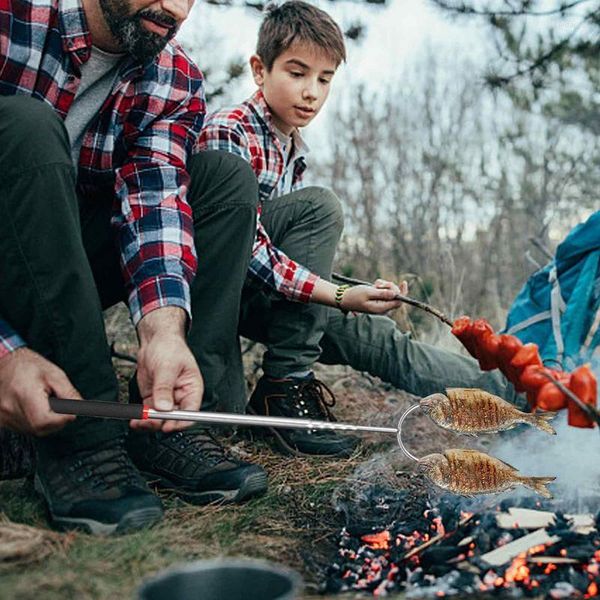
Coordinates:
[558,307]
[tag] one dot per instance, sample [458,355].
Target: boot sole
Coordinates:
[132,521]
[254,485]
[271,433]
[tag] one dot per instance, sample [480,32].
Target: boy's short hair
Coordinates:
[297,21]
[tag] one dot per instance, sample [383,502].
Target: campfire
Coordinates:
[521,547]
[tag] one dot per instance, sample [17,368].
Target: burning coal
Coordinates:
[509,545]
[446,552]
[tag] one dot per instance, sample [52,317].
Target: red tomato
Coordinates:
[551,398]
[583,385]
[509,346]
[463,330]
[527,355]
[532,377]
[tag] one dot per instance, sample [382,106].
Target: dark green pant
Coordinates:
[307,225]
[59,266]
[375,344]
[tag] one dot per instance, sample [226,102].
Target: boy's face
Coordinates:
[297,85]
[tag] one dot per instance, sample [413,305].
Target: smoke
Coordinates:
[370,498]
[572,456]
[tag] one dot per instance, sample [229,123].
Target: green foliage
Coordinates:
[548,54]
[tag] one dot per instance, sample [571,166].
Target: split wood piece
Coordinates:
[504,554]
[556,560]
[435,539]
[465,541]
[526,518]
[465,565]
[406,299]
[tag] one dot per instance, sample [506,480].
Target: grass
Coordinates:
[294,524]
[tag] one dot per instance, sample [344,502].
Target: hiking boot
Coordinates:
[97,490]
[305,399]
[17,455]
[194,466]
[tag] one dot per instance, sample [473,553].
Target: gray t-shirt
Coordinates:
[294,147]
[97,78]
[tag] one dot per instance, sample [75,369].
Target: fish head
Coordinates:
[433,467]
[434,403]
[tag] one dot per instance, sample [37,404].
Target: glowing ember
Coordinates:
[436,554]
[378,541]
[518,570]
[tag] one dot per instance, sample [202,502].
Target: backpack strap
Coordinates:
[531,321]
[593,337]
[557,308]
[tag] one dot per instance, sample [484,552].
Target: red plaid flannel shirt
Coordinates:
[135,150]
[247,130]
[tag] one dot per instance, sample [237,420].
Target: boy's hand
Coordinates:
[26,381]
[168,375]
[378,299]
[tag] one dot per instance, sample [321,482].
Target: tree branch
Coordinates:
[463,8]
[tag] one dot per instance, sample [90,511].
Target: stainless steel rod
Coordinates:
[260,421]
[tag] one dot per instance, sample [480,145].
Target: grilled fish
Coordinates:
[468,472]
[472,411]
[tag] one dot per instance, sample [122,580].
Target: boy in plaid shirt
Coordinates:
[288,302]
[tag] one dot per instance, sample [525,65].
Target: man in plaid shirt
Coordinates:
[299,49]
[101,202]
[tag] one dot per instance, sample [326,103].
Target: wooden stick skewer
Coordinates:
[406,299]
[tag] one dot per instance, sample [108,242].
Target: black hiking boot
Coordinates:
[98,490]
[17,455]
[194,466]
[305,399]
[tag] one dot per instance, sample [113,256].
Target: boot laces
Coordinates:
[314,400]
[200,445]
[104,466]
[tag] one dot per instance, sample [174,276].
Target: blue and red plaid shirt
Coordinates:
[248,131]
[135,151]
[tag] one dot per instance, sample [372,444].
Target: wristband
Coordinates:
[339,295]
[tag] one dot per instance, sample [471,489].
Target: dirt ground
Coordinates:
[296,523]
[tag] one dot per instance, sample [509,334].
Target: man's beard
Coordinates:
[127,28]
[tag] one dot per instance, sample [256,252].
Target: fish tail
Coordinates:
[538,484]
[540,421]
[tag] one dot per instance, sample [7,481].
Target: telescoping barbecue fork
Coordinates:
[116,410]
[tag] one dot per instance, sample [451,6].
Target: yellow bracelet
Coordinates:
[339,295]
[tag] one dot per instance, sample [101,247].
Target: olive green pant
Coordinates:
[59,266]
[307,225]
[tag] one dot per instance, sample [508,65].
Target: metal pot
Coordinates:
[223,579]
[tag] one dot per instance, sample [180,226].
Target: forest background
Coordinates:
[460,136]
[456,134]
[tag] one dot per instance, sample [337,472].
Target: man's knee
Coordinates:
[327,206]
[31,134]
[221,177]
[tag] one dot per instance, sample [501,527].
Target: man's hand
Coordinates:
[26,381]
[378,298]
[168,375]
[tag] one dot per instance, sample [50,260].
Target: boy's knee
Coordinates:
[31,134]
[327,205]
